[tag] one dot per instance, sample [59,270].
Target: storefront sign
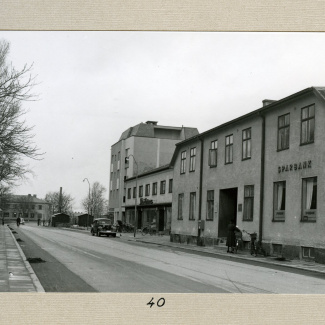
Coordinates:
[293,167]
[145,201]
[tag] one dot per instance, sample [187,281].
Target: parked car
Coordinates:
[102,226]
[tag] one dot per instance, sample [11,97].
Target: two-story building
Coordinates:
[29,207]
[150,194]
[265,170]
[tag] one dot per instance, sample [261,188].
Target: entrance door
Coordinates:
[161,225]
[227,209]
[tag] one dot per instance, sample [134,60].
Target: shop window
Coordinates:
[192,205]
[283,131]
[129,193]
[309,199]
[147,189]
[154,189]
[183,162]
[246,147]
[279,199]
[308,253]
[307,124]
[248,202]
[210,204]
[141,191]
[213,153]
[229,148]
[192,159]
[162,187]
[170,186]
[180,206]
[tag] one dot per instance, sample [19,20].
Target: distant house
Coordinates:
[84,220]
[28,207]
[60,220]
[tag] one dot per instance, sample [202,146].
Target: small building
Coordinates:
[84,220]
[60,220]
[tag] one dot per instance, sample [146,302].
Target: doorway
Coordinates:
[227,209]
[161,224]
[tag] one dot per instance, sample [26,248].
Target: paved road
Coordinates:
[112,265]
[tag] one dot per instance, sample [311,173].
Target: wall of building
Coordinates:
[292,232]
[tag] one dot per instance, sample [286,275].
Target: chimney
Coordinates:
[34,195]
[267,102]
[152,122]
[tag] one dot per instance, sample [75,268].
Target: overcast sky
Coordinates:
[94,85]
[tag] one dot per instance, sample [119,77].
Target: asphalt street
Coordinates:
[79,262]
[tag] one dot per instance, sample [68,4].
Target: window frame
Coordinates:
[183,162]
[147,190]
[163,187]
[170,185]
[247,199]
[180,208]
[308,119]
[129,193]
[229,147]
[210,203]
[192,208]
[283,127]
[141,191]
[309,215]
[279,214]
[245,143]
[213,148]
[154,188]
[192,159]
[134,192]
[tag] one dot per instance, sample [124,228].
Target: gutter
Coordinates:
[200,192]
[260,232]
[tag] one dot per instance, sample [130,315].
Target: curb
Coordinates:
[36,281]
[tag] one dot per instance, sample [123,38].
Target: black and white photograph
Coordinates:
[170,162]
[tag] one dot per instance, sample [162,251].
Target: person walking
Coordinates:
[231,237]
[18,221]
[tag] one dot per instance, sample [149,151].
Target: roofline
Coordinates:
[152,171]
[243,117]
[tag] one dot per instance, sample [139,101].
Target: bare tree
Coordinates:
[15,136]
[66,202]
[96,201]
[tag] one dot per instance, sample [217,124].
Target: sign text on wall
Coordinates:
[292,167]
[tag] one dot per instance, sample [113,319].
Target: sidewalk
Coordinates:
[16,274]
[221,251]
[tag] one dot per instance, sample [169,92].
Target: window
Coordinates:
[147,189]
[40,207]
[307,124]
[118,160]
[127,155]
[213,153]
[192,205]
[229,148]
[33,207]
[247,148]
[32,215]
[210,204]
[162,187]
[279,199]
[117,183]
[180,206]
[309,199]
[283,131]
[141,191]
[192,159]
[248,202]
[154,188]
[129,193]
[183,162]
[134,192]
[170,186]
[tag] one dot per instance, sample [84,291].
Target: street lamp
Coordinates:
[88,201]
[136,193]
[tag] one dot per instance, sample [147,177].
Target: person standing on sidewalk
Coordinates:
[18,221]
[231,237]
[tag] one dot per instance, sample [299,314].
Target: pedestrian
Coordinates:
[18,221]
[231,237]
[38,222]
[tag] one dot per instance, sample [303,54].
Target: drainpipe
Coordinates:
[200,193]
[260,233]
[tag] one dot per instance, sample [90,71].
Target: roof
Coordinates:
[25,198]
[318,91]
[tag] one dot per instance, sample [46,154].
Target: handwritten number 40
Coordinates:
[160,302]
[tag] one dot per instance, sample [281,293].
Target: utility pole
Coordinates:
[88,201]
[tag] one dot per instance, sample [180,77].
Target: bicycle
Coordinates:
[253,246]
[148,230]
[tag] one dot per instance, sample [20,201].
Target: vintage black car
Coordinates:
[102,226]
